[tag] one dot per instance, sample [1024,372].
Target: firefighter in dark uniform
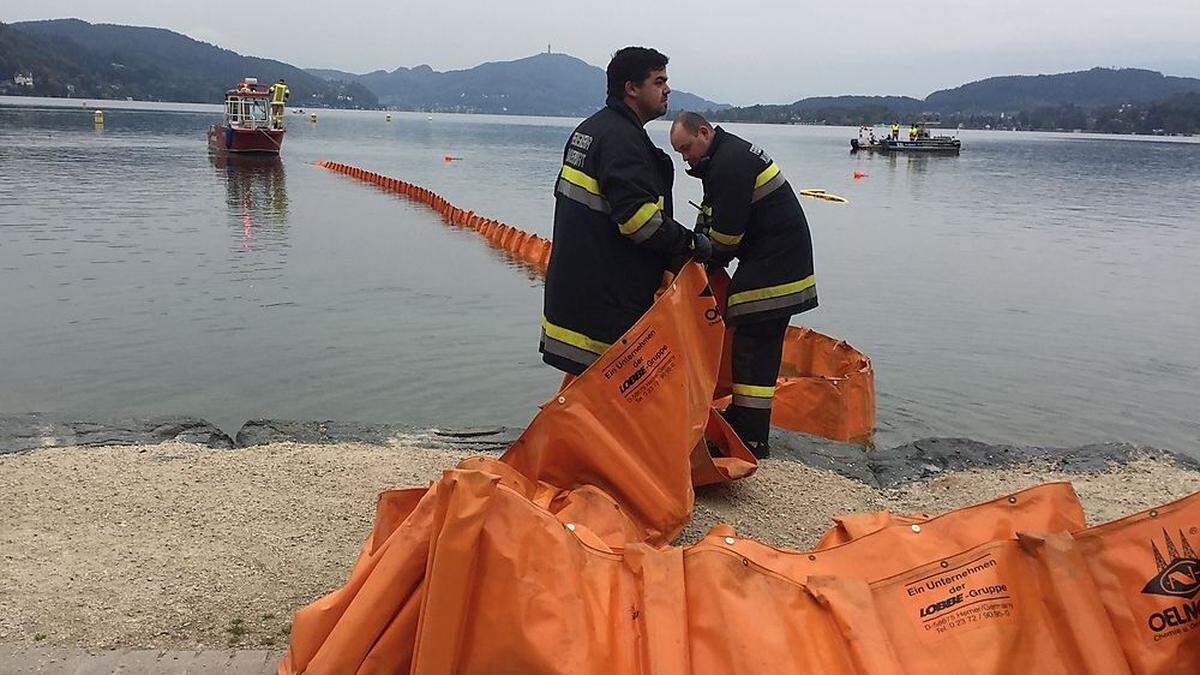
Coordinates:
[751,213]
[614,234]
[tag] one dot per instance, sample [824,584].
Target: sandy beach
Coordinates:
[178,546]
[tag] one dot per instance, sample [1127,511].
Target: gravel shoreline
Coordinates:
[177,545]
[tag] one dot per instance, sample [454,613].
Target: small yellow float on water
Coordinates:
[817,193]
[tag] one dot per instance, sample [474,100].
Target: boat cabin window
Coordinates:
[249,112]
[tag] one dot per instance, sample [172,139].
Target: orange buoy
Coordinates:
[859,174]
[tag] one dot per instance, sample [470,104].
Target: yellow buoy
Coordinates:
[389,118]
[817,193]
[98,118]
[313,117]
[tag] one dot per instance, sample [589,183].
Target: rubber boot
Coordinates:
[753,426]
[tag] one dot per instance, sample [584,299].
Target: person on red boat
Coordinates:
[750,213]
[279,95]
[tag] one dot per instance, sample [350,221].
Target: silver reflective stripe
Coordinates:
[648,228]
[751,401]
[566,351]
[768,187]
[575,193]
[765,304]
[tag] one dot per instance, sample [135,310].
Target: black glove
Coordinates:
[702,224]
[712,266]
[700,248]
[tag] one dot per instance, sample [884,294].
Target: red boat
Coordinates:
[252,125]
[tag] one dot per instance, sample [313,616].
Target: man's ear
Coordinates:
[631,89]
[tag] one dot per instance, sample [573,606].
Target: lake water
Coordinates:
[1039,288]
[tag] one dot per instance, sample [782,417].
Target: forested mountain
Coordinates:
[69,57]
[1101,99]
[1088,88]
[542,84]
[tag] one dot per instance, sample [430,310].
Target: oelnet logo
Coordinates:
[1178,577]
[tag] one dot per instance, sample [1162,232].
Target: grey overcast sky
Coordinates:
[768,52]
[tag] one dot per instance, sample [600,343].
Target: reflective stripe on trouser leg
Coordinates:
[757,351]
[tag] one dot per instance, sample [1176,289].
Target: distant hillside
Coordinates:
[899,103]
[543,84]
[52,63]
[69,57]
[842,110]
[1088,88]
[330,74]
[1179,114]
[1101,99]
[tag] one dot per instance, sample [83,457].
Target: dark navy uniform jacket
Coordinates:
[614,236]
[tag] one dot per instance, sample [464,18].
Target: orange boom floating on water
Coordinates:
[826,387]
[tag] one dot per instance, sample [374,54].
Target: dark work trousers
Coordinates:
[757,351]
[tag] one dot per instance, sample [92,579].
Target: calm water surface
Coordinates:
[1040,288]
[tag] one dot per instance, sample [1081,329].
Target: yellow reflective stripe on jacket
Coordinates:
[766,175]
[772,291]
[582,195]
[577,177]
[641,217]
[767,182]
[572,338]
[753,390]
[725,239]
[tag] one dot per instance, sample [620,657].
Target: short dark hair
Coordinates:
[691,121]
[632,64]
